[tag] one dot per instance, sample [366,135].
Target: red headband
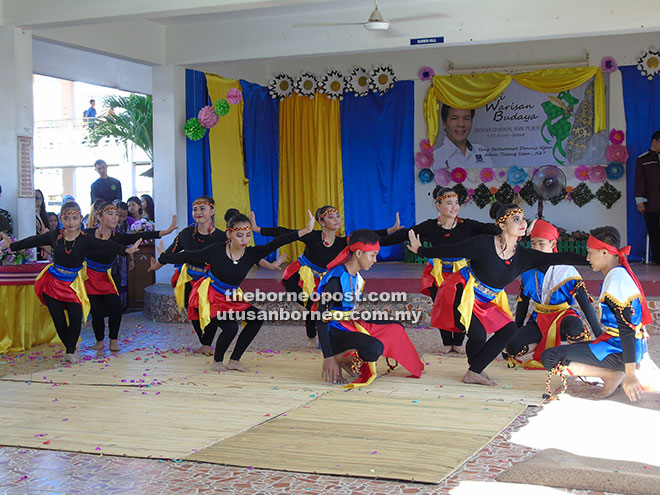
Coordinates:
[351,248]
[594,243]
[545,230]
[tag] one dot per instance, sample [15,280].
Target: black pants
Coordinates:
[652,221]
[480,349]
[207,335]
[580,353]
[105,305]
[291,285]
[229,331]
[570,328]
[68,333]
[368,348]
[450,338]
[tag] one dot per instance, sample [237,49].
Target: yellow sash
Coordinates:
[560,309]
[112,280]
[204,305]
[180,287]
[78,286]
[307,276]
[467,302]
[436,271]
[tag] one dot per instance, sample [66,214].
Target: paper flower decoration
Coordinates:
[234,96]
[614,171]
[425,145]
[487,174]
[194,130]
[207,116]
[597,173]
[425,175]
[608,64]
[280,86]
[617,136]
[608,195]
[501,173]
[358,81]
[424,159]
[382,79]
[649,63]
[333,85]
[306,84]
[616,153]
[222,107]
[442,177]
[473,176]
[458,175]
[426,73]
[582,173]
[493,189]
[516,175]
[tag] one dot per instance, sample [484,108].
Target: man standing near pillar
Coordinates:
[105,188]
[647,193]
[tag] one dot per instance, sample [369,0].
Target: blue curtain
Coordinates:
[261,152]
[377,133]
[197,152]
[641,99]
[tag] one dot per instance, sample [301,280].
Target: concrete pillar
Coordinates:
[170,192]
[17,120]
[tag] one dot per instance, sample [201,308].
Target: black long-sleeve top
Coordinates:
[315,251]
[79,248]
[332,287]
[430,231]
[581,297]
[189,240]
[106,257]
[222,267]
[626,332]
[492,270]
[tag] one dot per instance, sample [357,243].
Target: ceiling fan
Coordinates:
[376,21]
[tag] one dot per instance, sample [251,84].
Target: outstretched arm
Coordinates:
[265,249]
[464,249]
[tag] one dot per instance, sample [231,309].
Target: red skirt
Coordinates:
[544,320]
[99,283]
[428,280]
[55,288]
[218,301]
[175,278]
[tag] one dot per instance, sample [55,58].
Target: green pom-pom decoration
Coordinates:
[608,195]
[505,193]
[528,193]
[557,198]
[462,193]
[194,129]
[221,107]
[582,194]
[482,195]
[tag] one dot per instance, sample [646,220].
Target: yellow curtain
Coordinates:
[310,161]
[476,90]
[24,321]
[230,186]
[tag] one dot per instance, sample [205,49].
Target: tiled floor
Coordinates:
[27,471]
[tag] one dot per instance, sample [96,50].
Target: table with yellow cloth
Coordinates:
[24,321]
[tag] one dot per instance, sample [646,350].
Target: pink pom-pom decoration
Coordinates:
[617,136]
[597,173]
[582,173]
[425,145]
[608,64]
[458,175]
[207,117]
[426,73]
[234,96]
[442,177]
[616,153]
[424,159]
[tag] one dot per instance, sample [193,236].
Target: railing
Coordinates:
[66,134]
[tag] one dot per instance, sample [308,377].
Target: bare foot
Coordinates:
[98,346]
[610,385]
[483,373]
[114,346]
[346,364]
[236,365]
[445,349]
[218,366]
[205,349]
[71,358]
[472,377]
[458,349]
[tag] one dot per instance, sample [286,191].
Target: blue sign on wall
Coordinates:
[427,41]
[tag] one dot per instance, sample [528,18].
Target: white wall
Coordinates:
[624,48]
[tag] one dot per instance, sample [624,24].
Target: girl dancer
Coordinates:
[321,247]
[448,228]
[552,289]
[101,288]
[340,290]
[60,285]
[473,298]
[213,299]
[616,354]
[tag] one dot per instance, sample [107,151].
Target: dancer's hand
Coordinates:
[278,262]
[132,249]
[171,228]
[415,243]
[153,265]
[160,248]
[131,264]
[530,227]
[632,387]
[396,226]
[310,225]
[253,221]
[331,372]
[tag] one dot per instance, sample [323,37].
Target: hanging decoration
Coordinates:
[424,159]
[614,171]
[458,175]
[280,86]
[207,117]
[582,194]
[608,195]
[222,107]
[234,96]
[616,153]
[382,79]
[517,175]
[617,136]
[649,63]
[425,175]
[597,173]
[505,193]
[482,195]
[528,193]
[426,73]
[608,64]
[486,175]
[194,130]
[582,172]
[442,177]
[306,84]
[358,81]
[333,85]
[462,193]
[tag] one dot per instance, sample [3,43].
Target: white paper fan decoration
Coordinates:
[649,63]
[358,81]
[333,85]
[306,84]
[280,86]
[382,79]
